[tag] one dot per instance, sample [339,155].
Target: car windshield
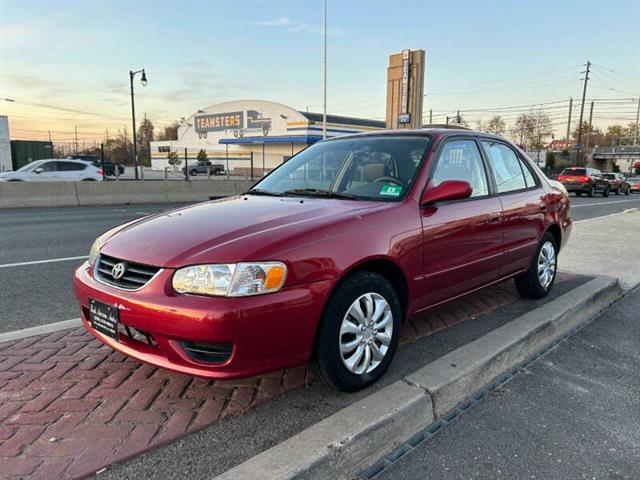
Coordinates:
[574,172]
[370,168]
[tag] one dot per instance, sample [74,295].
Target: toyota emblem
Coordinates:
[118,270]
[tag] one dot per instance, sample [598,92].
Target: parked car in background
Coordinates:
[584,180]
[54,170]
[324,258]
[618,182]
[109,167]
[634,184]
[204,168]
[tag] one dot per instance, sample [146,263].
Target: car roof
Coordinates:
[439,132]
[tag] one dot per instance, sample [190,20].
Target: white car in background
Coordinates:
[54,170]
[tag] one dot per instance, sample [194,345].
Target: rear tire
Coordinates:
[627,191]
[592,191]
[605,192]
[578,194]
[193,173]
[358,332]
[538,280]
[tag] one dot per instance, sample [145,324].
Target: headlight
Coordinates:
[95,251]
[230,280]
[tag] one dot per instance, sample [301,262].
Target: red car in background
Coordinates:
[324,258]
[618,183]
[634,184]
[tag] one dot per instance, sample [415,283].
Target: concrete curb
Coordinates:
[74,194]
[39,330]
[342,445]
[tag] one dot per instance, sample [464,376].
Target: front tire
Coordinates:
[358,332]
[538,280]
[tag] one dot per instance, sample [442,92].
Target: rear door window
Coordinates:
[70,166]
[506,166]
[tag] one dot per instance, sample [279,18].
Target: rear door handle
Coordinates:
[494,217]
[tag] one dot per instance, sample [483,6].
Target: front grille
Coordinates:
[136,275]
[208,352]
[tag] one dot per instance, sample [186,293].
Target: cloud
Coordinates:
[278,22]
[289,25]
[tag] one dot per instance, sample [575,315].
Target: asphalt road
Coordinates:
[573,415]
[40,293]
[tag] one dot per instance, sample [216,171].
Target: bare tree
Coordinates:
[532,129]
[145,137]
[496,125]
[170,132]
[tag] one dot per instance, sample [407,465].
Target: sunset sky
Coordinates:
[480,55]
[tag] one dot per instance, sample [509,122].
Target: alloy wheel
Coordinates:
[546,264]
[365,333]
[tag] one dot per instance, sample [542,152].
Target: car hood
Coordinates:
[233,229]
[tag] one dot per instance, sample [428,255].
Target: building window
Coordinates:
[164,148]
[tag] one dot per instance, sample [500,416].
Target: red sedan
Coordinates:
[324,258]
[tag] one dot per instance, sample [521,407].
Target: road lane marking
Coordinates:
[605,203]
[40,330]
[624,212]
[38,262]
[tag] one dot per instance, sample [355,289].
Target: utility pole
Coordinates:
[584,94]
[568,137]
[430,116]
[324,65]
[76,143]
[50,136]
[589,132]
[635,142]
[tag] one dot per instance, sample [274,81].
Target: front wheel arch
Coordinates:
[390,271]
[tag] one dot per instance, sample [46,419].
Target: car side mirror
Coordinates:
[446,191]
[38,170]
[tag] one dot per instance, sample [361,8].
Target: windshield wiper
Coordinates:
[259,191]
[320,193]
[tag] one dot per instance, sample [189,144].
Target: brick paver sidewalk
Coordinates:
[70,406]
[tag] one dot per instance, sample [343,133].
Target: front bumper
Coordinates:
[267,332]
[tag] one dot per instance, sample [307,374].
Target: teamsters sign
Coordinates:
[216,122]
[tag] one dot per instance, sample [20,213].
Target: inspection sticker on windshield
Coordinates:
[391,190]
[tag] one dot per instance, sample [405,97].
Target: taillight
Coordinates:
[584,179]
[560,178]
[99,172]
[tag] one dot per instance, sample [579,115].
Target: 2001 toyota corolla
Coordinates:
[325,257]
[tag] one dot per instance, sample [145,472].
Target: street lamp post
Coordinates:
[143,81]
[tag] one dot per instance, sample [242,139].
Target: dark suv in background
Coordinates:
[584,180]
[618,183]
[109,167]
